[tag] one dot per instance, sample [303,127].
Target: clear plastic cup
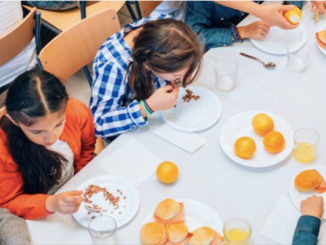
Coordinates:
[237,232]
[103,230]
[226,74]
[306,141]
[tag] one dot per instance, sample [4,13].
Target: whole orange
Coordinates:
[293,16]
[262,124]
[274,142]
[167,172]
[245,147]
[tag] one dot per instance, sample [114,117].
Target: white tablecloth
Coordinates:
[208,175]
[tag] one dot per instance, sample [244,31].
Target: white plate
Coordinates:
[240,125]
[197,214]
[277,39]
[128,207]
[297,196]
[320,48]
[194,115]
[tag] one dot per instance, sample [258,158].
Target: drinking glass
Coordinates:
[298,61]
[226,74]
[237,232]
[305,145]
[103,230]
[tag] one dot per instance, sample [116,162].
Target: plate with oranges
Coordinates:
[256,139]
[308,182]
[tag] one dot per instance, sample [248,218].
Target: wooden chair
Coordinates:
[59,21]
[147,7]
[76,47]
[12,43]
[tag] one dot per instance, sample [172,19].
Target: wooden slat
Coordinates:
[12,43]
[63,20]
[146,7]
[74,48]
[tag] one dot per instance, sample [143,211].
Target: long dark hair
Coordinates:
[34,94]
[165,45]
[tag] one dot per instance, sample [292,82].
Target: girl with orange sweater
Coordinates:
[45,138]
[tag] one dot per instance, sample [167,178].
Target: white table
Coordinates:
[208,175]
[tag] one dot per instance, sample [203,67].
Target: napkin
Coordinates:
[281,223]
[131,161]
[189,142]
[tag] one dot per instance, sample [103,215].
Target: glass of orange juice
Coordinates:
[305,145]
[237,232]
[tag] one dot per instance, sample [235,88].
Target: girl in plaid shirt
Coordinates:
[136,72]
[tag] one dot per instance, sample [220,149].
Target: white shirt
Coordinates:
[176,9]
[11,14]
[68,169]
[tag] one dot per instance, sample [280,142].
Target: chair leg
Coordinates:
[87,75]
[138,10]
[131,11]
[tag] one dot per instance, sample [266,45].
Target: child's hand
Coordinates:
[312,206]
[319,6]
[163,98]
[273,15]
[66,202]
[256,30]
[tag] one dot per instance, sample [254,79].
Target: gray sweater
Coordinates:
[13,229]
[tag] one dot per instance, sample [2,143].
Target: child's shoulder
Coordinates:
[76,109]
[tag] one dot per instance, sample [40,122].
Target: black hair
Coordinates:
[32,95]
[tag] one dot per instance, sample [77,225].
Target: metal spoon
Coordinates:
[268,65]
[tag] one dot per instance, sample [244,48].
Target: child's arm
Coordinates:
[309,223]
[108,91]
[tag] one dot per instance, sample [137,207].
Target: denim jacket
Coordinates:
[213,22]
[307,231]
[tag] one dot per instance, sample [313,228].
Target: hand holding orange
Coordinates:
[167,172]
[293,16]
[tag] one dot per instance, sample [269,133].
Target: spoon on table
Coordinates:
[268,65]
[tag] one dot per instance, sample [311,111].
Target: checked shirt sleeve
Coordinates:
[108,90]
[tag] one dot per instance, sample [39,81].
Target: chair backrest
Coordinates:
[12,43]
[146,7]
[76,47]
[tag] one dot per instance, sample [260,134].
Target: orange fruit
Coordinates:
[274,142]
[293,16]
[321,38]
[167,172]
[262,124]
[245,147]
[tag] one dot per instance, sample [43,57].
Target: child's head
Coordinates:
[36,103]
[169,49]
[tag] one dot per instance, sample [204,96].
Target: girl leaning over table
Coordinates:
[45,138]
[137,70]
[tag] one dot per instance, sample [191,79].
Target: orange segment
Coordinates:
[274,142]
[321,38]
[262,124]
[293,16]
[322,187]
[245,147]
[167,172]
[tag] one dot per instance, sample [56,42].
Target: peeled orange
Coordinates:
[245,147]
[262,124]
[274,142]
[167,172]
[293,16]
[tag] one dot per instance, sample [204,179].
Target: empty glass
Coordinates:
[237,232]
[305,145]
[103,230]
[298,61]
[226,74]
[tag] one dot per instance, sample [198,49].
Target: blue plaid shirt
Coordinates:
[114,107]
